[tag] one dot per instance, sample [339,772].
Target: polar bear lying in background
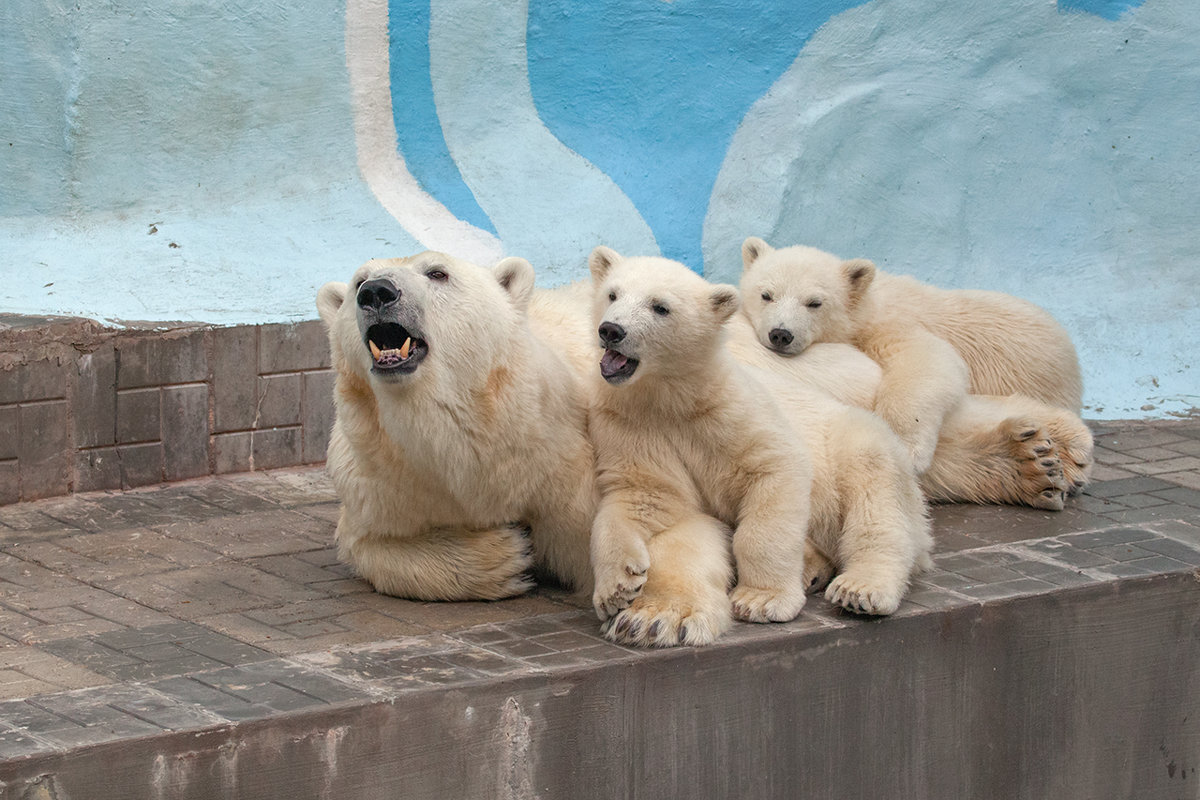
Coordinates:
[983,388]
[689,441]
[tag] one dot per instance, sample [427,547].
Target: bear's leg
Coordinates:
[1011,450]
[444,564]
[924,378]
[684,599]
[769,548]
[885,533]
[620,558]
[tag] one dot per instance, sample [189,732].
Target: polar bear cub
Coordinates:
[935,346]
[459,448]
[690,443]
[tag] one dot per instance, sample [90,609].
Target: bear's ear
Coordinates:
[329,299]
[753,249]
[601,261]
[515,276]
[859,273]
[724,300]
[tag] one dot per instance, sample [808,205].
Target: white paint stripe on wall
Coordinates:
[548,203]
[380,163]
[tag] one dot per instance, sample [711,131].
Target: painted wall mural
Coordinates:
[1040,148]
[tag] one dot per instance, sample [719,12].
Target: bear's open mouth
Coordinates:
[394,349]
[615,367]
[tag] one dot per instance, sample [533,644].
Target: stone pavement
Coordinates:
[213,602]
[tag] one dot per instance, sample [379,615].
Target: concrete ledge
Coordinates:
[1085,692]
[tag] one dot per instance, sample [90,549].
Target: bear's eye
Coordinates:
[766,296]
[814,303]
[660,309]
[436,275]
[612,296]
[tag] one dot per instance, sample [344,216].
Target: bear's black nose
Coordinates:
[377,294]
[780,337]
[611,333]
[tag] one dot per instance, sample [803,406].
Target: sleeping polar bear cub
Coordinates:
[691,443]
[984,388]
[459,449]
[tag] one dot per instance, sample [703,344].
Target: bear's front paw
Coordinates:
[755,604]
[863,596]
[619,583]
[666,623]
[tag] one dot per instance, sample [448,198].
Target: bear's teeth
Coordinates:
[404,348]
[375,351]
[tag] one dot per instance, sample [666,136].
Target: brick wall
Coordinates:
[85,407]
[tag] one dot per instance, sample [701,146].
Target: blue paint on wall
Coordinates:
[652,92]
[1109,9]
[418,131]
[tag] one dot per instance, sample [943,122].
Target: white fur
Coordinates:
[441,472]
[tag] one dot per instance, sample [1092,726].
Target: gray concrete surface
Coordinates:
[200,640]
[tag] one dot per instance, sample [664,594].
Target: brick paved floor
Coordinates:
[221,599]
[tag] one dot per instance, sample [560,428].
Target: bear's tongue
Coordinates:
[612,362]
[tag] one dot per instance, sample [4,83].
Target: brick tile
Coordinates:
[139,415]
[1012,588]
[318,415]
[1181,464]
[30,519]
[1189,479]
[93,398]
[231,452]
[1150,454]
[1103,472]
[17,744]
[1111,457]
[1187,447]
[255,687]
[293,347]
[141,464]
[41,379]
[156,359]
[295,487]
[225,494]
[253,534]
[185,431]
[45,462]
[1140,515]
[235,377]
[10,432]
[1124,441]
[279,398]
[275,447]
[1116,488]
[97,469]
[158,709]
[1181,496]
[187,690]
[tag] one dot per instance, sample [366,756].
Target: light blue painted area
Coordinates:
[547,203]
[1045,149]
[418,130]
[1001,146]
[1109,9]
[651,92]
[228,126]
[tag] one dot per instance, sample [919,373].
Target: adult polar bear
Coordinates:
[966,375]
